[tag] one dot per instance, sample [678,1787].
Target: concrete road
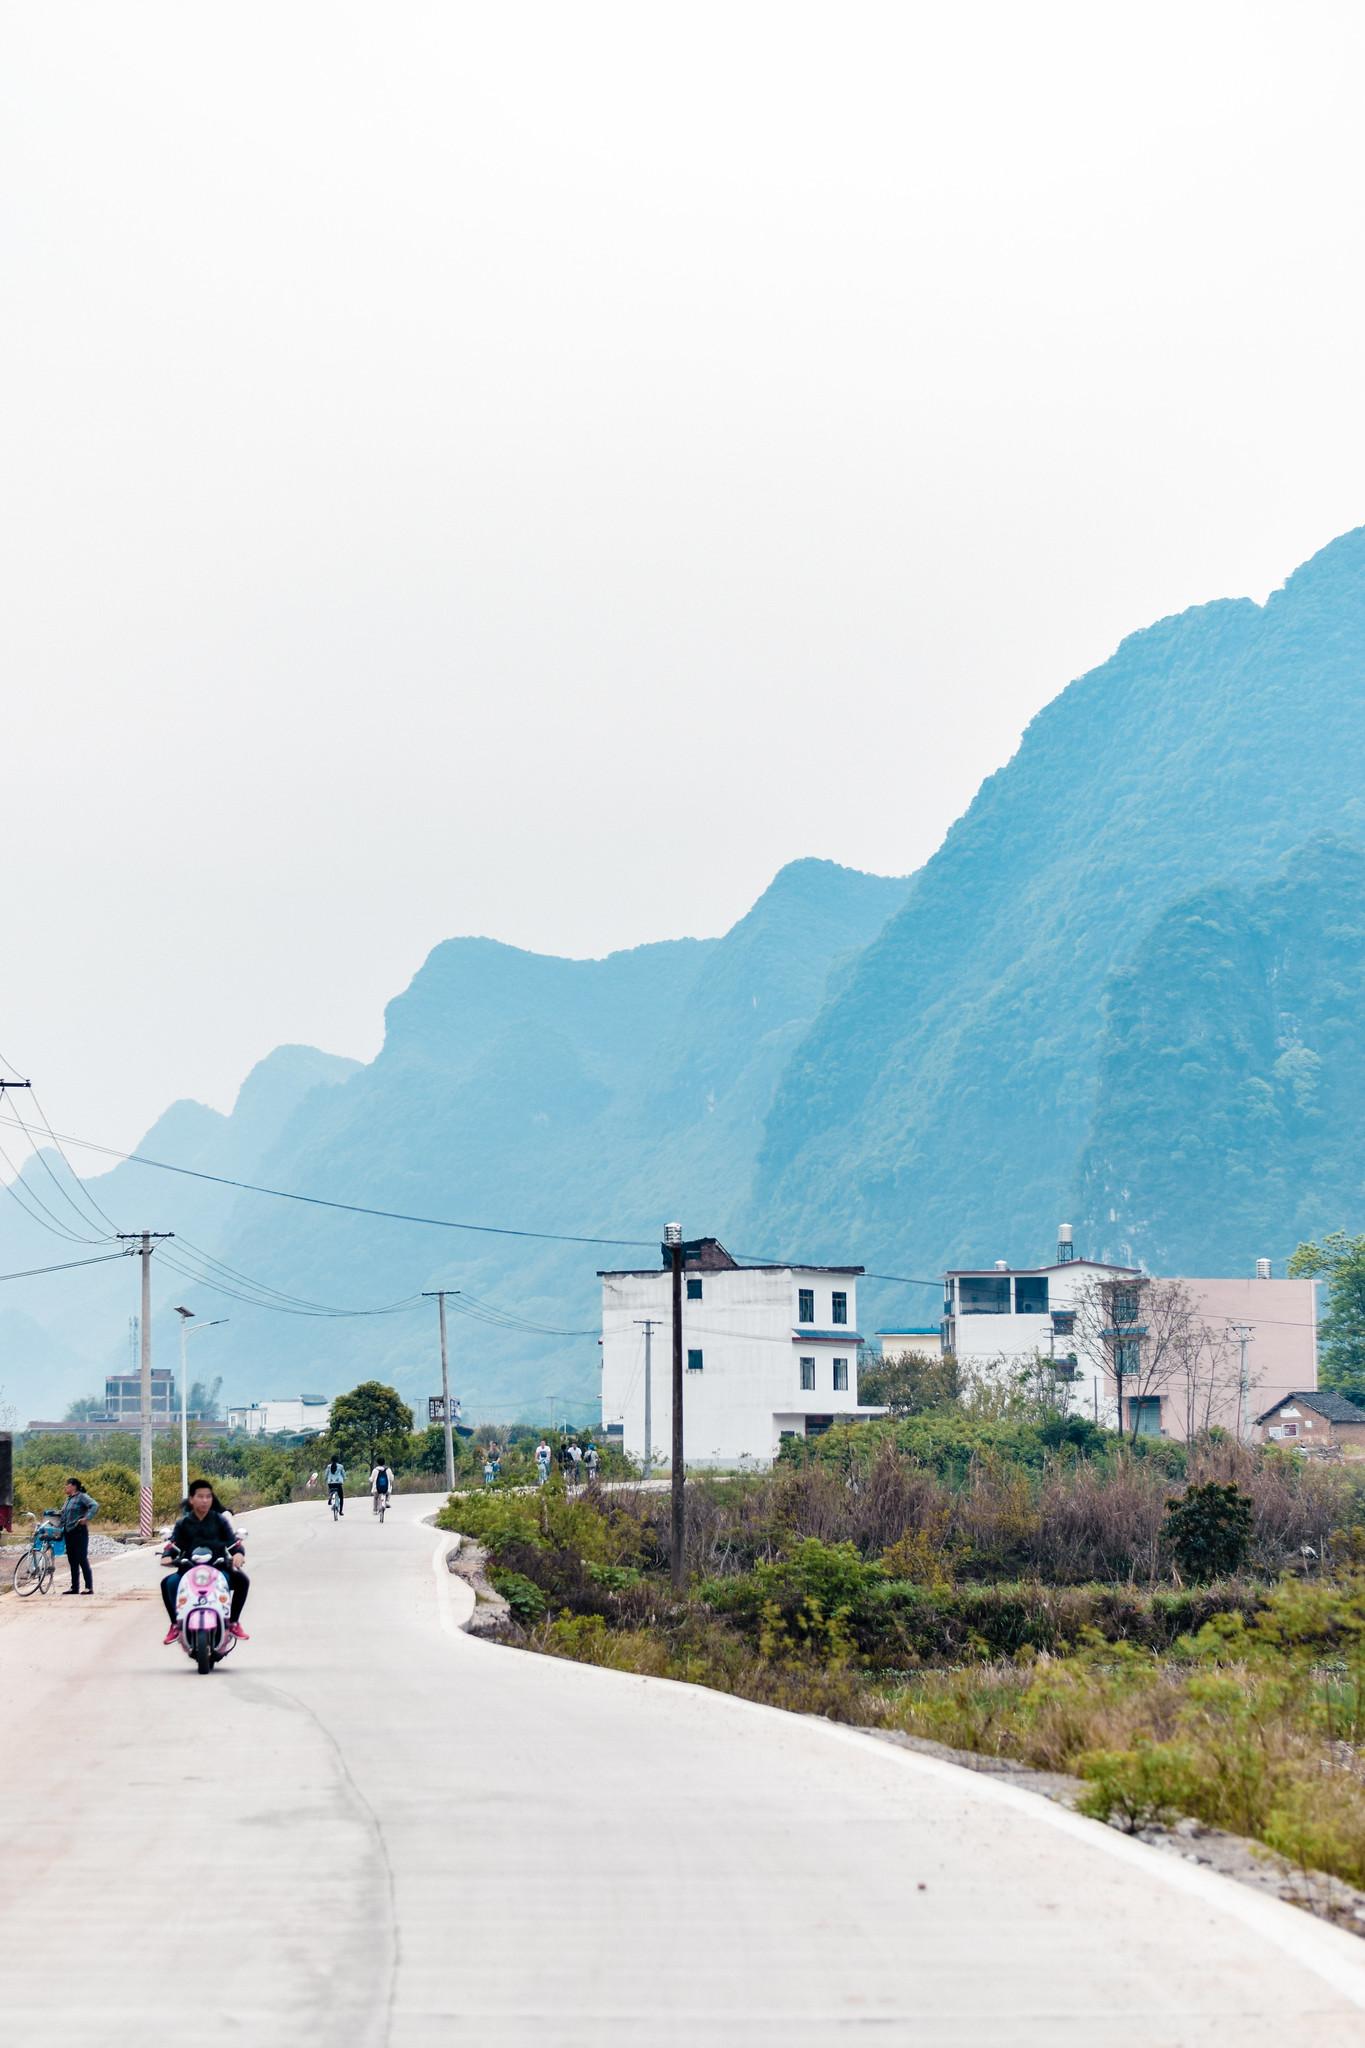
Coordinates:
[370,1829]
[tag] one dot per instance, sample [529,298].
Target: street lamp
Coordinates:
[186,1316]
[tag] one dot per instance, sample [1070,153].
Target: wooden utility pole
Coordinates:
[673,1249]
[440,1294]
[144,1240]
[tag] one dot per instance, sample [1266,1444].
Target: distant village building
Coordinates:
[925,1342]
[1316,1421]
[769,1352]
[1088,1326]
[296,1415]
[123,1396]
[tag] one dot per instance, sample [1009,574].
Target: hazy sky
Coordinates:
[534,469]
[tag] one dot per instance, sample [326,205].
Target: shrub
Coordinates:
[1208,1530]
[1141,1787]
[525,1599]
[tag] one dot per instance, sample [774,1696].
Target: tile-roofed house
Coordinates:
[1323,1420]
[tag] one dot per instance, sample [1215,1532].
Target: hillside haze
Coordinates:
[1125,992]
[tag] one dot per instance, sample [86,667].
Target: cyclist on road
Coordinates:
[381,1483]
[334,1479]
[204,1525]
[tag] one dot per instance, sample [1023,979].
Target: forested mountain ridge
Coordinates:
[939,1108]
[1232,1071]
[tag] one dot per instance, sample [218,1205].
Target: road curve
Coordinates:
[387,1833]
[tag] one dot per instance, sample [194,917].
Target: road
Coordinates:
[369,1828]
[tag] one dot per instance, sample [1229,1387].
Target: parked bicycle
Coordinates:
[33,1573]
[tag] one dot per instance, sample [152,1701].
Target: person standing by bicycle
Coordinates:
[381,1484]
[78,1511]
[334,1480]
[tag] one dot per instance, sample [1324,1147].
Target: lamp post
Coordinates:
[186,1316]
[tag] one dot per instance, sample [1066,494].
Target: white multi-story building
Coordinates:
[297,1415]
[1261,1339]
[769,1352]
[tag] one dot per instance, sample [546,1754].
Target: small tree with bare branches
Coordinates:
[1148,1337]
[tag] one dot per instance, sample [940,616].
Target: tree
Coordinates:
[909,1382]
[1208,1530]
[369,1420]
[87,1409]
[203,1398]
[1339,1259]
[1149,1337]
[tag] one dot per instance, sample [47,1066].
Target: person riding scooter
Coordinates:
[204,1525]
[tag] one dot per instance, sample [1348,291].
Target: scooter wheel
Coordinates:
[203,1653]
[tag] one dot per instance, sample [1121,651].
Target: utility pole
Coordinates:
[650,1324]
[440,1294]
[144,1240]
[673,1251]
[186,1316]
[1243,1332]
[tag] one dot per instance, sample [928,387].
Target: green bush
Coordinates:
[1208,1530]
[525,1599]
[1142,1787]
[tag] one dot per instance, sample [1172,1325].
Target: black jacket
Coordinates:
[214,1533]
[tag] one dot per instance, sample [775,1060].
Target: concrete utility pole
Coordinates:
[144,1240]
[186,1316]
[440,1293]
[1243,1332]
[673,1249]
[650,1324]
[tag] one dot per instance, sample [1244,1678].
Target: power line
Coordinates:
[101,1213]
[68,1266]
[82,1216]
[251,1187]
[258,1300]
[281,1295]
[53,1225]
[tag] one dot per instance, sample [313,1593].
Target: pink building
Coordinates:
[1279,1318]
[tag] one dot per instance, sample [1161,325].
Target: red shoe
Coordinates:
[235,1629]
[172,1634]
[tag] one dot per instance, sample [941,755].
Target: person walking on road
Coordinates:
[590,1461]
[542,1462]
[575,1463]
[334,1480]
[78,1511]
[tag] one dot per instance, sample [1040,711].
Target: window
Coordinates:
[1063,1322]
[838,1308]
[841,1375]
[1127,1359]
[694,1290]
[1030,1297]
[808,1375]
[1125,1305]
[694,1361]
[805,1305]
[984,1294]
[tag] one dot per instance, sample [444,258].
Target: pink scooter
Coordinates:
[203,1608]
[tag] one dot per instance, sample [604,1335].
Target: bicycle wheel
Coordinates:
[46,1567]
[26,1575]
